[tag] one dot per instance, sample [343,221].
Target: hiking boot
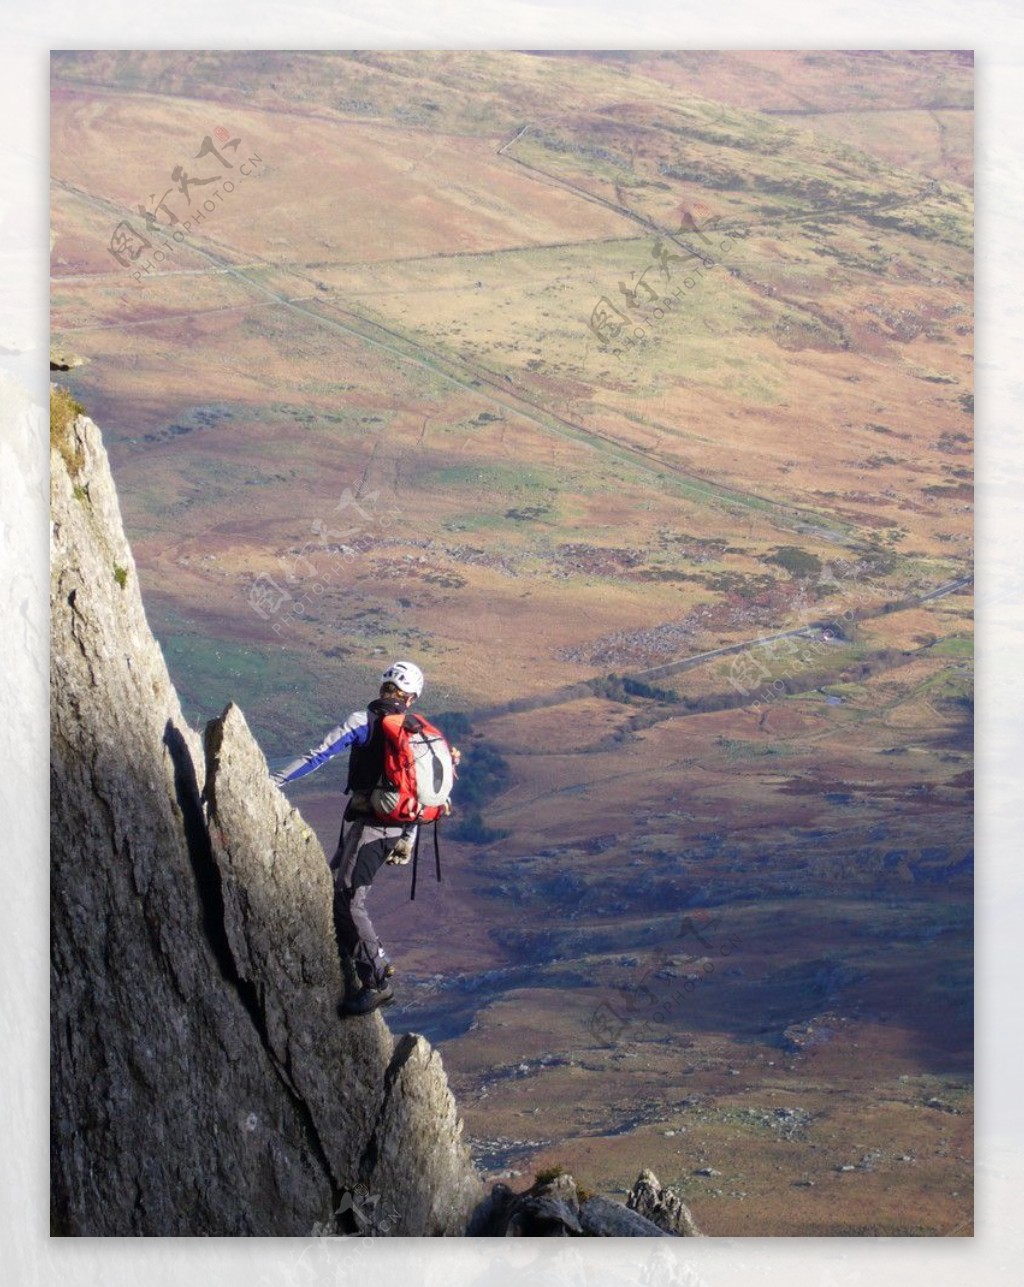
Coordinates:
[368,999]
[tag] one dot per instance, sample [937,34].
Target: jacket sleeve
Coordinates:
[354,731]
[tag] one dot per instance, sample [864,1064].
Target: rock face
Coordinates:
[556,1208]
[201,1081]
[663,1207]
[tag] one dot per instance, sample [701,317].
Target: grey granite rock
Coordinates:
[663,1207]
[603,1218]
[201,1081]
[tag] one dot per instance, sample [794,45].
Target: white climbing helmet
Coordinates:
[405,675]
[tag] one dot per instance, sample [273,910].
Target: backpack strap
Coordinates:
[416,856]
[437,853]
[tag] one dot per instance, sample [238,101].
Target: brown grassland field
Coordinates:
[556,372]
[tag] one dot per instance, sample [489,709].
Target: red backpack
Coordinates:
[418,772]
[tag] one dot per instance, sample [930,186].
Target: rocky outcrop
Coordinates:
[201,1081]
[556,1208]
[663,1207]
[603,1218]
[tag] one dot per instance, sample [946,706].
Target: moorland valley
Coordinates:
[631,394]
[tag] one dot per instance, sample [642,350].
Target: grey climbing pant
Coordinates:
[363,850]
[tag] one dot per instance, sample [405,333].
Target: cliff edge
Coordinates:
[201,1081]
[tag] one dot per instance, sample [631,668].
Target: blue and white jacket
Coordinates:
[355,731]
